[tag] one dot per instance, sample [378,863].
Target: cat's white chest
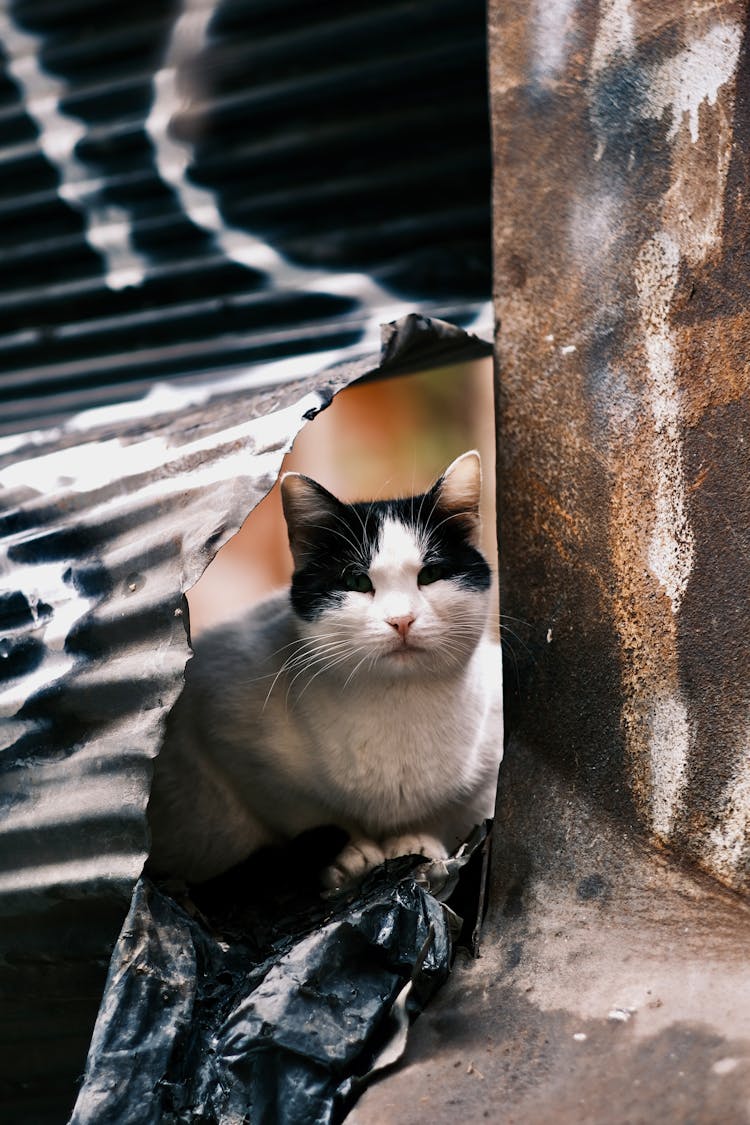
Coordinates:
[393,754]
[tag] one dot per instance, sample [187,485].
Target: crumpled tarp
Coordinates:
[275,1012]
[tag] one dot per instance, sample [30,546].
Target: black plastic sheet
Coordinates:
[276,1013]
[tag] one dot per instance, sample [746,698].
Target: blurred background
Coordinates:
[379,439]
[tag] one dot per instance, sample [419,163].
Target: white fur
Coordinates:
[286,725]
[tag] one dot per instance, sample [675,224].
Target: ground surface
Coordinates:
[613,989]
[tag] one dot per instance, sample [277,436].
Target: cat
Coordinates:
[367,696]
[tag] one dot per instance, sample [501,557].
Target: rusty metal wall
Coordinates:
[621,134]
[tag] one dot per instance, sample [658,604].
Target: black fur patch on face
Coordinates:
[341,543]
[345,542]
[447,539]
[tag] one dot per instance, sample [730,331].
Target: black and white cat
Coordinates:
[367,697]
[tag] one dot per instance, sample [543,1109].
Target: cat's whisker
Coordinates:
[325,668]
[312,660]
[509,649]
[422,499]
[357,546]
[365,534]
[315,649]
[299,643]
[276,679]
[302,641]
[355,509]
[432,528]
[313,644]
[321,659]
[304,646]
[307,656]
[518,620]
[355,670]
[506,632]
[311,664]
[315,653]
[370,507]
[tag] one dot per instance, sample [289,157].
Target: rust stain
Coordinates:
[715,358]
[701,478]
[558,510]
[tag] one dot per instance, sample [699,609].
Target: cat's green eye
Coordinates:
[430,573]
[359,582]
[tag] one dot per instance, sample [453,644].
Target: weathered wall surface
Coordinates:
[622,278]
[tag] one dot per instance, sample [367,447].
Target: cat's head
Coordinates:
[390,587]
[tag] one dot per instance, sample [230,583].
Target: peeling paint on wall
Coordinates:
[670,548]
[553,25]
[729,839]
[691,79]
[660,744]
[615,35]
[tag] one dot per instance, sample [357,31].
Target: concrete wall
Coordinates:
[622,206]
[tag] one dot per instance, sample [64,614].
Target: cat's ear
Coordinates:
[308,507]
[458,492]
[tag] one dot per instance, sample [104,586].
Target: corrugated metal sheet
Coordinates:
[105,521]
[202,186]
[202,201]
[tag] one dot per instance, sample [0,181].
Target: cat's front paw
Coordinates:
[362,855]
[352,863]
[415,843]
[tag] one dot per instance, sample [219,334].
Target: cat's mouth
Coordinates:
[404,650]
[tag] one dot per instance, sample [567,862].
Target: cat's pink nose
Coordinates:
[401,624]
